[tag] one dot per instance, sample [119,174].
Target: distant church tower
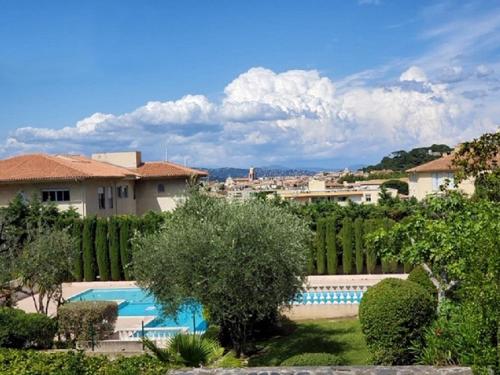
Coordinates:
[251,174]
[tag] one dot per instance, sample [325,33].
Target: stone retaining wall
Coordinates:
[338,370]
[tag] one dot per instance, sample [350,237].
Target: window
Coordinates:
[119,192]
[101,198]
[61,195]
[125,191]
[368,197]
[161,188]
[110,197]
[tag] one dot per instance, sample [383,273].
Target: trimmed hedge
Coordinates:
[125,251]
[394,314]
[21,330]
[21,362]
[84,321]
[420,276]
[313,359]
[76,233]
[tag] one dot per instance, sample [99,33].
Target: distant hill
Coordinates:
[220,174]
[403,160]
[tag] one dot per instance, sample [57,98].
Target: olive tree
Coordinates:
[241,261]
[44,264]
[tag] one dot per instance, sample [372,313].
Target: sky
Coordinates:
[322,83]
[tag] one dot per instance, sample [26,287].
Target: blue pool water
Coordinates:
[137,302]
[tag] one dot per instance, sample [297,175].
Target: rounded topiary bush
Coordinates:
[420,276]
[313,359]
[393,316]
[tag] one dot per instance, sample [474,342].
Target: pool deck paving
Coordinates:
[72,289]
[297,312]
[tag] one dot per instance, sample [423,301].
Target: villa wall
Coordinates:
[149,199]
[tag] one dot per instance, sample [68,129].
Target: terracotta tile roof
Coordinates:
[444,164]
[43,167]
[159,169]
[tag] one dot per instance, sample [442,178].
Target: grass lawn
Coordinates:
[340,337]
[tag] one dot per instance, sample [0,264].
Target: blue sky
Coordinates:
[238,83]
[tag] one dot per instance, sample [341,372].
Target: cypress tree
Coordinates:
[125,255]
[358,237]
[388,266]
[101,248]
[114,249]
[320,246]
[347,237]
[88,249]
[331,246]
[371,257]
[76,233]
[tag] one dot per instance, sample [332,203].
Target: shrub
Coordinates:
[393,315]
[114,249]
[358,237]
[20,330]
[18,362]
[347,237]
[84,321]
[313,359]
[101,248]
[320,246]
[460,336]
[88,249]
[420,276]
[331,246]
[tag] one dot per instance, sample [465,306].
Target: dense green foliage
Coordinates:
[457,337]
[86,321]
[193,351]
[403,160]
[393,316]
[480,159]
[331,245]
[347,241]
[419,275]
[21,222]
[46,261]
[20,330]
[114,248]
[241,261]
[125,251]
[401,186]
[27,362]
[359,244]
[101,248]
[457,238]
[76,233]
[313,359]
[88,249]
[321,246]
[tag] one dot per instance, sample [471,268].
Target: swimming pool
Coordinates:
[135,302]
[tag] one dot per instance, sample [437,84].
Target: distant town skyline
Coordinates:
[323,84]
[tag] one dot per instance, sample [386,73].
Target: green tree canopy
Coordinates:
[242,261]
